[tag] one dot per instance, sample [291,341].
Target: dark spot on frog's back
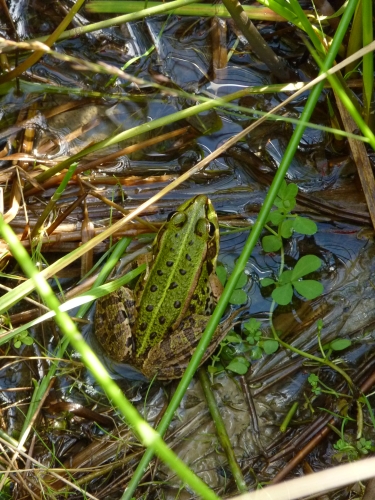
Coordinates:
[169,263]
[128,304]
[159,272]
[162,320]
[177,304]
[111,339]
[150,308]
[188,257]
[173,285]
[143,326]
[182,272]
[153,288]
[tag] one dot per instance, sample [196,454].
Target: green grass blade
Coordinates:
[368,61]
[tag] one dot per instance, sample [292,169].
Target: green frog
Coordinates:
[157,327]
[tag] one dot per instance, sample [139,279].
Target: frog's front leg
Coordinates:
[169,359]
[114,319]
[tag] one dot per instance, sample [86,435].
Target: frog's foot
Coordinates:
[114,318]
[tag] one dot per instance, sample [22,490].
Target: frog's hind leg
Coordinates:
[114,318]
[169,359]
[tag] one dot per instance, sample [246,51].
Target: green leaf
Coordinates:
[238,297]
[266,282]
[271,243]
[286,277]
[252,325]
[286,229]
[302,225]
[215,368]
[290,204]
[282,190]
[275,218]
[233,338]
[239,365]
[279,203]
[340,344]
[28,340]
[310,289]
[291,191]
[242,280]
[256,352]
[221,273]
[313,379]
[270,346]
[306,265]
[17,344]
[283,294]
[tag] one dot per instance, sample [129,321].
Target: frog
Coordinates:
[156,327]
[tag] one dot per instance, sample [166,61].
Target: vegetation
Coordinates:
[40,176]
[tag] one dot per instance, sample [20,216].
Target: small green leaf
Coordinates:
[306,265]
[17,344]
[215,368]
[286,229]
[313,379]
[291,191]
[275,218]
[293,203]
[238,297]
[242,280]
[340,344]
[310,289]
[286,277]
[233,338]
[270,346]
[221,273]
[253,337]
[302,225]
[256,352]
[252,325]
[239,365]
[287,205]
[271,243]
[266,282]
[28,340]
[283,294]
[283,189]
[279,203]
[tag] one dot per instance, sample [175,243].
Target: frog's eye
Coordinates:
[171,215]
[178,219]
[205,228]
[211,229]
